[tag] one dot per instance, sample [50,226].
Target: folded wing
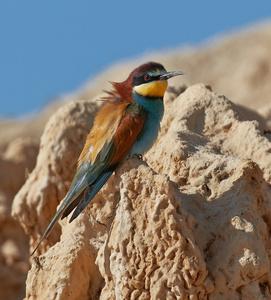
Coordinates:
[115,130]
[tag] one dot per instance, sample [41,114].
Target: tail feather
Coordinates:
[70,208]
[72,195]
[74,199]
[49,228]
[91,191]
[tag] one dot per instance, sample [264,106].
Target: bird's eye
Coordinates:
[147,77]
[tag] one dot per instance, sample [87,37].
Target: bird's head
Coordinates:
[148,80]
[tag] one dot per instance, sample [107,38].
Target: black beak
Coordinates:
[168,75]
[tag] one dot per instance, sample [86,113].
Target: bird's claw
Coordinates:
[139,156]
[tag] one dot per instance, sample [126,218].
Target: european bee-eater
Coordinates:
[127,124]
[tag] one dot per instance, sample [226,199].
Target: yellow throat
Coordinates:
[155,89]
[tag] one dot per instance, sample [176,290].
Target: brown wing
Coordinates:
[126,134]
[103,130]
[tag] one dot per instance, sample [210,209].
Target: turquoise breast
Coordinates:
[149,132]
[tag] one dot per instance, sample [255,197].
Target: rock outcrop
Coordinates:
[189,221]
[15,164]
[207,151]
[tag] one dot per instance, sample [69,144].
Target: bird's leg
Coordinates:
[138,155]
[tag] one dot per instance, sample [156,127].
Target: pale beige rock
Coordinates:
[205,148]
[237,65]
[18,159]
[191,221]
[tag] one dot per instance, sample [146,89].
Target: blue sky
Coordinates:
[49,48]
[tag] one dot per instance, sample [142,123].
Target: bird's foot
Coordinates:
[139,156]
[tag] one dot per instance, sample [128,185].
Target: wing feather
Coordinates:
[115,130]
[126,134]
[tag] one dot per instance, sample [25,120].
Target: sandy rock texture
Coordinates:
[237,65]
[15,164]
[189,221]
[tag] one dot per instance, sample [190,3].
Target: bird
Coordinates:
[127,125]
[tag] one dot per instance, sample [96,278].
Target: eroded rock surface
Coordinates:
[190,221]
[15,164]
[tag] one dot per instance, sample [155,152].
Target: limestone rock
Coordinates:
[201,152]
[15,163]
[190,221]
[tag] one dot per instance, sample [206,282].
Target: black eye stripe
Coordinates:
[138,80]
